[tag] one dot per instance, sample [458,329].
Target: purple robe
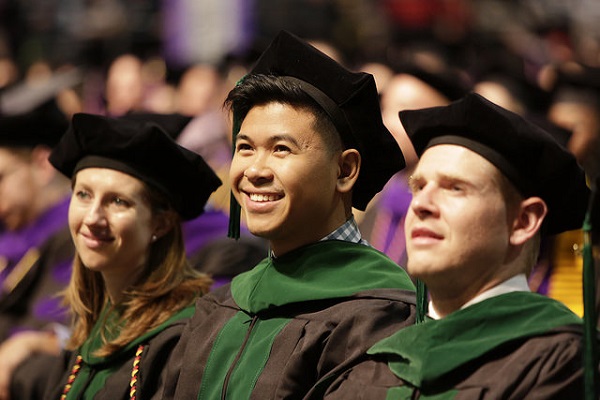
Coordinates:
[32,303]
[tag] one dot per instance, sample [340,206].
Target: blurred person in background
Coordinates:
[9,73]
[200,89]
[124,87]
[160,95]
[200,95]
[35,247]
[575,106]
[129,84]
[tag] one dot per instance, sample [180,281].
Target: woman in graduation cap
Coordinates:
[132,287]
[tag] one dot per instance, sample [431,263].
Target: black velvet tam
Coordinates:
[351,101]
[527,155]
[173,123]
[141,149]
[43,125]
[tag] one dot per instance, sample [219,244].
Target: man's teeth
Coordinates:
[263,197]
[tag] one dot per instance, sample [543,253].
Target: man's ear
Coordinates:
[39,159]
[528,220]
[348,169]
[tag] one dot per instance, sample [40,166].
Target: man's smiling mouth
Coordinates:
[263,197]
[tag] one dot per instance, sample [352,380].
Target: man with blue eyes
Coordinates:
[310,145]
[487,185]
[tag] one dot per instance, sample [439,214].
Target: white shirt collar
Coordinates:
[517,283]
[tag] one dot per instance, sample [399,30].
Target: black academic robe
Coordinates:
[33,303]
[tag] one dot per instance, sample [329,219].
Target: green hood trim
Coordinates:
[111,324]
[428,351]
[94,370]
[251,362]
[407,393]
[323,270]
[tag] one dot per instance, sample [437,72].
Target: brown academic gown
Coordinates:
[290,322]
[543,362]
[547,367]
[110,378]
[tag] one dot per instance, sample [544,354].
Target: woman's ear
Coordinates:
[528,220]
[349,167]
[164,221]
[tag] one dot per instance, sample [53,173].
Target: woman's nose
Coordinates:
[95,215]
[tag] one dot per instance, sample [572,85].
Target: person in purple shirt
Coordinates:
[35,246]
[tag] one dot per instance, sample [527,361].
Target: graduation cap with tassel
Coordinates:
[234,206]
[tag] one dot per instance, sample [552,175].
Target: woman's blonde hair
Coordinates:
[168,284]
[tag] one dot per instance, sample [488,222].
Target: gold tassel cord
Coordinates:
[20,270]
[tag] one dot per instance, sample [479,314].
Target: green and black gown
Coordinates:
[517,345]
[289,323]
[131,373]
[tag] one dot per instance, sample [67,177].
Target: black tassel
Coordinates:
[422,301]
[234,206]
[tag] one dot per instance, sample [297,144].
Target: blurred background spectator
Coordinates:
[36,249]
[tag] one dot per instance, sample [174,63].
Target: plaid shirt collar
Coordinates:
[347,232]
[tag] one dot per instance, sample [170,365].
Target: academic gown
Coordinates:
[290,322]
[38,265]
[210,250]
[133,372]
[518,345]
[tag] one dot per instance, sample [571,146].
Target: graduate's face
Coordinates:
[111,222]
[457,225]
[284,177]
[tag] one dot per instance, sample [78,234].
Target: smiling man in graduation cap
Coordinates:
[487,185]
[311,145]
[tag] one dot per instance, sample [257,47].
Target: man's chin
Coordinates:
[420,271]
[261,232]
